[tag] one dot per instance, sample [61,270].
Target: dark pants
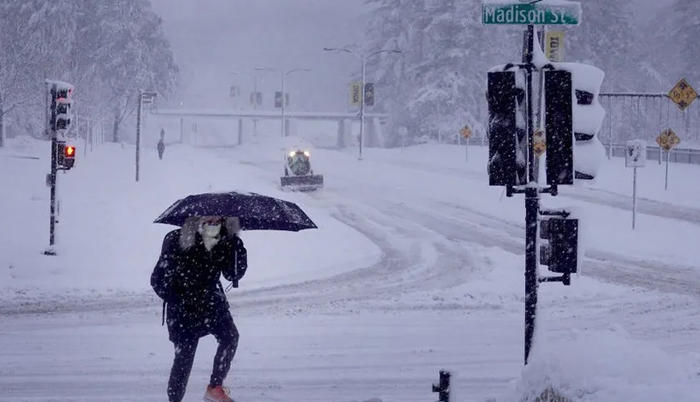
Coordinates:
[226,335]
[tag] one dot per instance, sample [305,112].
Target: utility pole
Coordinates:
[138,133]
[362,107]
[363,61]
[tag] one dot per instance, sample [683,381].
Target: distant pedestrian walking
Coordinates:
[161,144]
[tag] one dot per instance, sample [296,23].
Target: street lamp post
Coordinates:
[363,60]
[282,74]
[146,97]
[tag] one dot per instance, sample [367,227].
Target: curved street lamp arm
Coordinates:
[242,73]
[344,49]
[296,69]
[265,69]
[385,51]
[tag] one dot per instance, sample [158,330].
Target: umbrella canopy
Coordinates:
[254,211]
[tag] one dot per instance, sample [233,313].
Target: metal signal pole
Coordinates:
[532,205]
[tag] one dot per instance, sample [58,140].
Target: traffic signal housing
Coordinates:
[560,248]
[588,116]
[61,102]
[66,156]
[507,164]
[369,94]
[558,123]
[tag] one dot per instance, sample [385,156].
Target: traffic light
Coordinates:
[507,163]
[588,116]
[369,94]
[558,122]
[559,250]
[278,99]
[66,156]
[61,100]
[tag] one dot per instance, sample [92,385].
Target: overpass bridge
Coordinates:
[267,114]
[373,121]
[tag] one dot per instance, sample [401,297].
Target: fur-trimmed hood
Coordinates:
[188,232]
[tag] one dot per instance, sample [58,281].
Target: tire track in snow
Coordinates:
[590,195]
[606,266]
[401,269]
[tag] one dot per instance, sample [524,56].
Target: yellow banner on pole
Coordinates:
[356,93]
[554,44]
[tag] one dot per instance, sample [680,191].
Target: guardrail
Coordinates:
[676,155]
[654,153]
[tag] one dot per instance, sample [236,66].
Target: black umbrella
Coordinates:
[255,211]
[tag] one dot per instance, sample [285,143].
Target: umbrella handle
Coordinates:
[233,284]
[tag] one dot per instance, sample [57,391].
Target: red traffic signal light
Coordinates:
[65,158]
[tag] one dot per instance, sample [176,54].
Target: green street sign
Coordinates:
[544,13]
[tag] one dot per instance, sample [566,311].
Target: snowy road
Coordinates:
[440,215]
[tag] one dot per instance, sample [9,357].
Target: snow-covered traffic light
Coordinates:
[61,99]
[559,250]
[572,109]
[558,123]
[588,116]
[507,164]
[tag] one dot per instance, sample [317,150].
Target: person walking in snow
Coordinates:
[161,144]
[187,279]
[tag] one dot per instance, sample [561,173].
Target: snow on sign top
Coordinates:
[545,12]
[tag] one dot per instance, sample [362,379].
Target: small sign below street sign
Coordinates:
[542,13]
[465,132]
[539,143]
[682,94]
[636,153]
[668,139]
[554,46]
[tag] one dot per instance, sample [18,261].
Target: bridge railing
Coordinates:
[654,153]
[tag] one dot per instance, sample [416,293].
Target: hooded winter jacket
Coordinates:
[187,279]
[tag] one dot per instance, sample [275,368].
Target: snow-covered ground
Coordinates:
[417,266]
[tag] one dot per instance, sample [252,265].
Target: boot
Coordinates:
[217,394]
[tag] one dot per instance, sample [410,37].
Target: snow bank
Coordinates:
[605,367]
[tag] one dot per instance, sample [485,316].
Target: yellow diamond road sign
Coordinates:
[667,139]
[682,94]
[539,143]
[465,132]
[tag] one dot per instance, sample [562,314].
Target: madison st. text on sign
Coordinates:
[551,12]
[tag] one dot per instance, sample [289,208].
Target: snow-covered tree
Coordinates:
[687,34]
[608,38]
[439,83]
[106,49]
[126,40]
